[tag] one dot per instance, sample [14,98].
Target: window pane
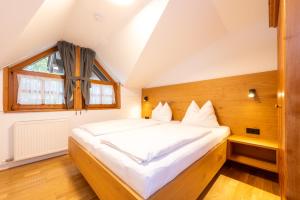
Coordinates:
[51,64]
[107,90]
[107,100]
[95,94]
[54,91]
[39,90]
[98,75]
[102,94]
[30,90]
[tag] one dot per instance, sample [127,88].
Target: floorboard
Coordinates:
[59,179]
[236,181]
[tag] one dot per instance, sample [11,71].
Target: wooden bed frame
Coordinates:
[187,185]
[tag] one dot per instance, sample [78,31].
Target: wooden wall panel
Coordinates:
[289,103]
[230,98]
[281,98]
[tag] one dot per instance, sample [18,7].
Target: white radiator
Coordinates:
[38,138]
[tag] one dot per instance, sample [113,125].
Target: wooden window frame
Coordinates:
[10,87]
[109,82]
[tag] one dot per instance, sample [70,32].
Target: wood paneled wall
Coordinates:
[230,98]
[289,100]
[281,35]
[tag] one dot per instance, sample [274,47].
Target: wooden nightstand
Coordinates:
[254,152]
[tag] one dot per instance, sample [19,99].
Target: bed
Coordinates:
[183,173]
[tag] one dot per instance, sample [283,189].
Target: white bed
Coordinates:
[146,179]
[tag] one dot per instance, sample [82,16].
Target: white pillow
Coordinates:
[162,112]
[204,117]
[156,111]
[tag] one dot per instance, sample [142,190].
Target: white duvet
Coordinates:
[149,178]
[113,126]
[145,144]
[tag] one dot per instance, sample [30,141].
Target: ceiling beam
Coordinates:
[273,13]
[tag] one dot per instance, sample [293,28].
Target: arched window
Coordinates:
[37,84]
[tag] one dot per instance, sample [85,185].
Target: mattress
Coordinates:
[148,178]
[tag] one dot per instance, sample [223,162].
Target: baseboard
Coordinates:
[12,164]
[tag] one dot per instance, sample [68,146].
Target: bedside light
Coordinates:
[147,108]
[146,98]
[252,93]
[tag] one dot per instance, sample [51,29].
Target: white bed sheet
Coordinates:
[146,179]
[145,144]
[115,126]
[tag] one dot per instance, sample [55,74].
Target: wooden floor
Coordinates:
[236,181]
[59,179]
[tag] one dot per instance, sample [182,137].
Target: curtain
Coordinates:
[102,94]
[67,53]
[87,57]
[39,90]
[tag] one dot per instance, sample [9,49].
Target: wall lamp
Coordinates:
[146,98]
[147,108]
[252,93]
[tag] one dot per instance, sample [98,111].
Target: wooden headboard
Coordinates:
[230,98]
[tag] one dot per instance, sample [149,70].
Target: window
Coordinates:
[51,64]
[103,90]
[102,94]
[98,75]
[35,90]
[37,84]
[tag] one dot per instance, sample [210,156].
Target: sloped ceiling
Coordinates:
[30,27]
[244,45]
[147,42]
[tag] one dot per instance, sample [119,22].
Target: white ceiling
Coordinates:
[147,42]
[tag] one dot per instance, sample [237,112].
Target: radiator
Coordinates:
[38,138]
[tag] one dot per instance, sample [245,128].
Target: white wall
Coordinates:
[130,107]
[234,54]
[198,40]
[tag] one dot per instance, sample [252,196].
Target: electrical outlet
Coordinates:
[255,131]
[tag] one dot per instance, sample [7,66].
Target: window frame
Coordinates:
[10,87]
[109,82]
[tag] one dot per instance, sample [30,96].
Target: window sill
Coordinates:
[103,108]
[59,110]
[37,110]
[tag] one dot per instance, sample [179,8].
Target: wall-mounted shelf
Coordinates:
[254,152]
